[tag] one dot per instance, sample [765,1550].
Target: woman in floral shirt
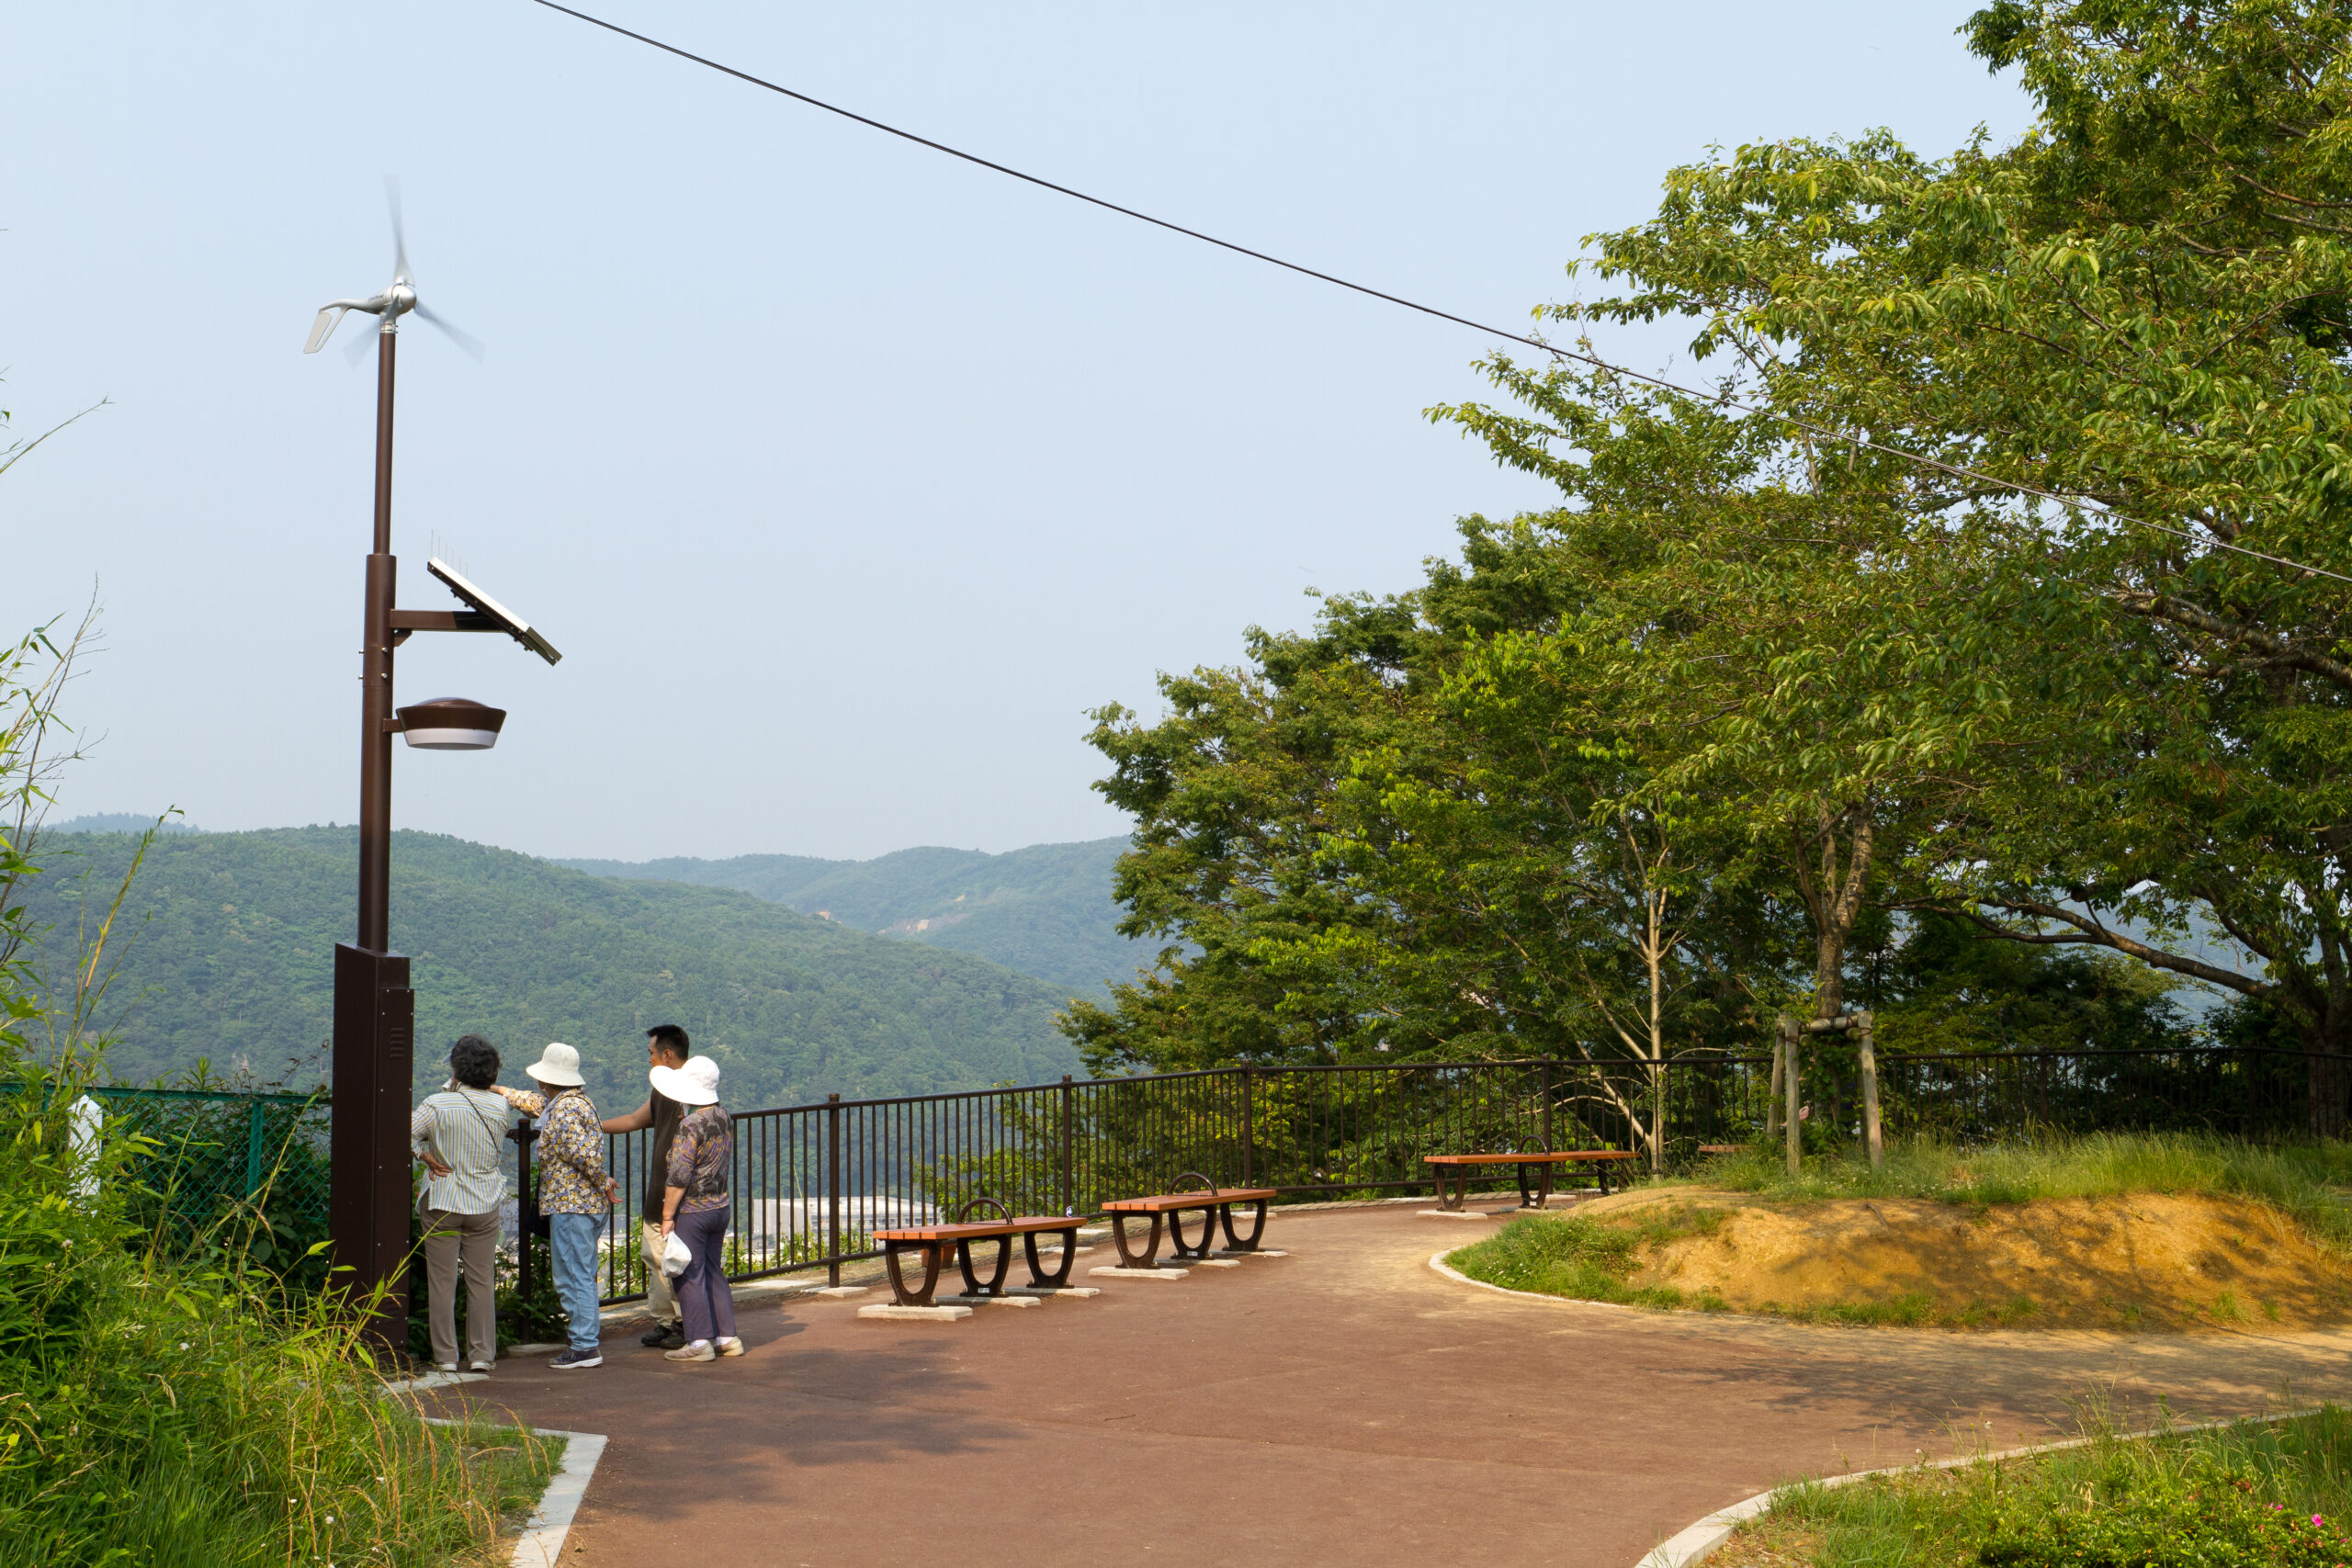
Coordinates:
[575,1193]
[695,1208]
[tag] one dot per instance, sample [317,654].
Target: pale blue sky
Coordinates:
[846,476]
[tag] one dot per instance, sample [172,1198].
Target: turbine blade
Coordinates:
[360,345]
[400,240]
[323,327]
[467,341]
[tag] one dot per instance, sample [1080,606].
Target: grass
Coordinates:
[1599,1259]
[175,1407]
[2295,1178]
[2267,1493]
[1572,1255]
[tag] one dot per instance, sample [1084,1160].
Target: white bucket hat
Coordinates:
[559,1065]
[697,1083]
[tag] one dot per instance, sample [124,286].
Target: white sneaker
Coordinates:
[731,1346]
[446,1366]
[481,1367]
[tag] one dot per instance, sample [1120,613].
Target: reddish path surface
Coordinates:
[1344,1404]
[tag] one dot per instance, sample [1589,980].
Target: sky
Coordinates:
[847,476]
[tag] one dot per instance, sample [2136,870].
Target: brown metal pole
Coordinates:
[374,1009]
[376,684]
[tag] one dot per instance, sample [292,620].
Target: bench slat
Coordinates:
[1559,1156]
[1162,1203]
[980,1230]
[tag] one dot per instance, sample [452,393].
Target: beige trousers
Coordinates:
[447,1239]
[660,1295]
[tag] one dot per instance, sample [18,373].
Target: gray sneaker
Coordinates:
[573,1360]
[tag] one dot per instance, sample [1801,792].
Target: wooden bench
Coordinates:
[1216,1205]
[1532,1194]
[935,1242]
[1725,1149]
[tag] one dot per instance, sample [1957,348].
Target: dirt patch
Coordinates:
[2148,1261]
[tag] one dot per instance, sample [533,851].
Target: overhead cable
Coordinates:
[1721,399]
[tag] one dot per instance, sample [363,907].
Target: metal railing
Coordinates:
[813,1183]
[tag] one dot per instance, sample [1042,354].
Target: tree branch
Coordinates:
[2180,613]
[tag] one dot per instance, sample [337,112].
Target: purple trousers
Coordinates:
[704,1299]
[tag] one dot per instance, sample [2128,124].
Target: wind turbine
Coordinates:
[374,1007]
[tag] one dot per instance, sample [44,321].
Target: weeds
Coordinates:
[1572,1255]
[2254,1492]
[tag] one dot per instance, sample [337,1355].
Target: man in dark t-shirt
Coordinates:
[665,1046]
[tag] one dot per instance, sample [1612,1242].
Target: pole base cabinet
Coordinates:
[368,1207]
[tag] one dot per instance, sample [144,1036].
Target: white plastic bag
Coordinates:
[675,1256]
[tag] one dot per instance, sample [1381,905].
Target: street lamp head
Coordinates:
[452,724]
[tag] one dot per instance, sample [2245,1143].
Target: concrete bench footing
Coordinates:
[887,1313]
[1113,1271]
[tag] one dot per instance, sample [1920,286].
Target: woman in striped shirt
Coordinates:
[456,1132]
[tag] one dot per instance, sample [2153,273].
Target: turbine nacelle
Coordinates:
[393,303]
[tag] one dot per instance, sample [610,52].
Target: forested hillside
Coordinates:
[227,938]
[1046,910]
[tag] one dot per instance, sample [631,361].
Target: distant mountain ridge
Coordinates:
[1046,910]
[227,942]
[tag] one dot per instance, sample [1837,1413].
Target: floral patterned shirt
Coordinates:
[699,1157]
[570,1152]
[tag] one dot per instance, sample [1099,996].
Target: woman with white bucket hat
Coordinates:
[695,1208]
[575,1194]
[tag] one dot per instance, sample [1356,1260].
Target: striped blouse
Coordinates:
[464,1129]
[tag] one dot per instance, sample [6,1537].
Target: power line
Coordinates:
[1720,399]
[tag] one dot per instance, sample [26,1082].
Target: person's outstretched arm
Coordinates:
[641,1117]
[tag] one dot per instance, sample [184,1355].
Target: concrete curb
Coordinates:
[541,1545]
[1698,1540]
[1438,1262]
[1695,1541]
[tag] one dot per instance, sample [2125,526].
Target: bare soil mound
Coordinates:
[2146,1260]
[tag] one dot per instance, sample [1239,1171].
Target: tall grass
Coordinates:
[167,1406]
[2294,1179]
[2268,1492]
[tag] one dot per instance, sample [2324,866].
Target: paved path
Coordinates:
[1344,1404]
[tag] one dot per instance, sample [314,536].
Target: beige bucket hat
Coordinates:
[559,1065]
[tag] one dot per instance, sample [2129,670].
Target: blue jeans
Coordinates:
[572,1238]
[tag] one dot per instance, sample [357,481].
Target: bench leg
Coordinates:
[1234,1243]
[891,1252]
[1038,1278]
[1453,1204]
[1128,1256]
[1543,1196]
[995,1287]
[1176,1234]
[1602,1172]
[1527,1199]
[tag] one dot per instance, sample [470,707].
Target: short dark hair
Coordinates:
[671,1038]
[473,1062]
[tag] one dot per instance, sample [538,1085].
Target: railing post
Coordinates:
[253,1152]
[832,1190]
[1545,1079]
[527,1212]
[1868,1057]
[1069,1190]
[1249,1129]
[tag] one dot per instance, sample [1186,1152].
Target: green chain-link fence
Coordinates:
[209,1156]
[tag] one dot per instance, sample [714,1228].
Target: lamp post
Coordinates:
[375,1009]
